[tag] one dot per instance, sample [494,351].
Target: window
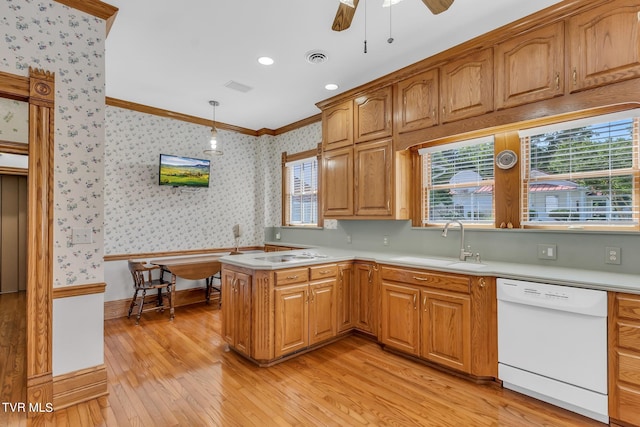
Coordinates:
[300,189]
[458,182]
[583,172]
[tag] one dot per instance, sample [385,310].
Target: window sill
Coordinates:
[302,227]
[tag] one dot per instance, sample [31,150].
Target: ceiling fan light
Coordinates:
[389,3]
[348,3]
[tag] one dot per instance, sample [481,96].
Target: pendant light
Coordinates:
[348,3]
[214,147]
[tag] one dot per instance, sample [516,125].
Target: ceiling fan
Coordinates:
[347,9]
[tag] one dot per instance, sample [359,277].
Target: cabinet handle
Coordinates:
[313,296]
[433,114]
[424,303]
[325,272]
[575,77]
[369,274]
[414,302]
[306,297]
[557,81]
[444,110]
[292,277]
[422,279]
[482,282]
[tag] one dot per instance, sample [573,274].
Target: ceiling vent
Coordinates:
[238,86]
[316,57]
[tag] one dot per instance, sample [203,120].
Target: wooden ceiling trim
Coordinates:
[299,124]
[94,8]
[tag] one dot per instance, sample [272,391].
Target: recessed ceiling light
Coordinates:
[265,60]
[331,86]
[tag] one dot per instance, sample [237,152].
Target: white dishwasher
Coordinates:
[552,344]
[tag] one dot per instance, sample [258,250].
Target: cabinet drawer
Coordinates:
[629,368]
[293,275]
[628,401]
[423,278]
[323,271]
[629,336]
[629,307]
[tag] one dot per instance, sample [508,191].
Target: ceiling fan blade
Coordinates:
[344,16]
[437,6]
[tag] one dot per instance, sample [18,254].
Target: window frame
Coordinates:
[286,209]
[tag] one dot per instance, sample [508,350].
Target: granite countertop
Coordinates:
[592,279]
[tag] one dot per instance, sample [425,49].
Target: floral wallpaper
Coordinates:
[141,216]
[244,189]
[14,121]
[48,35]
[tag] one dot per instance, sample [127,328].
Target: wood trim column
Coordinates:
[40,238]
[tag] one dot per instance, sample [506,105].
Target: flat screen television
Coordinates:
[179,171]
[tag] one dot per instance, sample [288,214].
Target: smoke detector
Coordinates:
[316,57]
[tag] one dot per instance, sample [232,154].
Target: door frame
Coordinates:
[38,90]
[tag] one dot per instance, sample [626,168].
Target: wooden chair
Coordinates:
[144,283]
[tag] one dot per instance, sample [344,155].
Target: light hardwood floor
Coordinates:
[179,374]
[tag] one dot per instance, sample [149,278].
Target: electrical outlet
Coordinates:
[612,255]
[81,235]
[385,240]
[349,238]
[278,236]
[547,251]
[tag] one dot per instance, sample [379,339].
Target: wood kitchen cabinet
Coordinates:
[373,114]
[416,102]
[448,319]
[305,313]
[236,300]
[604,45]
[400,317]
[337,126]
[373,180]
[530,67]
[344,295]
[337,182]
[446,329]
[365,297]
[624,358]
[466,86]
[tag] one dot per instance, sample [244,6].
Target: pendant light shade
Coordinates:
[214,146]
[348,3]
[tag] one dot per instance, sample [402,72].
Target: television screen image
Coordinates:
[178,171]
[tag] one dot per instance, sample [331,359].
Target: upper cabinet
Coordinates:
[373,115]
[604,45]
[466,86]
[416,102]
[530,67]
[337,126]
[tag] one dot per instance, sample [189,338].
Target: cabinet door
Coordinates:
[242,312]
[373,171]
[228,306]
[345,297]
[373,115]
[604,45]
[446,329]
[416,104]
[530,67]
[291,319]
[364,301]
[322,310]
[337,182]
[466,88]
[400,321]
[337,126]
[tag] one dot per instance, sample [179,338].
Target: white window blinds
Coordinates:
[302,192]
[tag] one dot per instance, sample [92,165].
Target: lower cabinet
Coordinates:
[429,315]
[624,358]
[344,294]
[305,313]
[365,297]
[236,300]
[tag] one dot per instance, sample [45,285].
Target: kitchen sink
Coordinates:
[291,257]
[423,260]
[462,265]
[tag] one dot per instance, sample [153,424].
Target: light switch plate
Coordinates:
[547,251]
[81,235]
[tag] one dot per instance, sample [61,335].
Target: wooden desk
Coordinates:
[191,268]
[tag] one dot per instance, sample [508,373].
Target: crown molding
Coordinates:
[95,8]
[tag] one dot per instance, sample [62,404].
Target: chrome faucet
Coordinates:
[463,254]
